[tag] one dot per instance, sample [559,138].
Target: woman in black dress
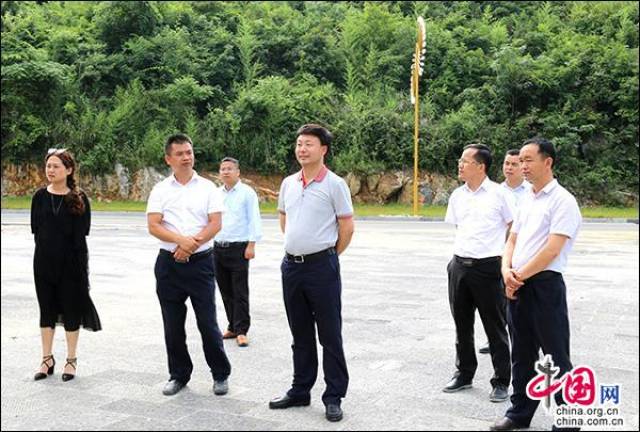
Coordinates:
[60,221]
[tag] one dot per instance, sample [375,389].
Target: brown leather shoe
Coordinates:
[229,335]
[506,424]
[242,340]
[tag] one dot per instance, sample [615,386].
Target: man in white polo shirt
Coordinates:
[515,183]
[316,216]
[184,213]
[532,266]
[482,212]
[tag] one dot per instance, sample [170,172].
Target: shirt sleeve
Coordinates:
[253,216]
[566,218]
[508,206]
[342,200]
[154,203]
[216,201]
[450,217]
[281,204]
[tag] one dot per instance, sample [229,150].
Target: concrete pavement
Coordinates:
[399,336]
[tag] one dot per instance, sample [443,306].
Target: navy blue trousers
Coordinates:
[538,318]
[312,297]
[174,283]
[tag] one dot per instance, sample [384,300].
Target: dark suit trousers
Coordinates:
[479,286]
[538,318]
[232,275]
[174,283]
[312,297]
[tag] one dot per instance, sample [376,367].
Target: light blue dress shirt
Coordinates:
[241,220]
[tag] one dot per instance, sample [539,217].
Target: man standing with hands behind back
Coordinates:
[316,216]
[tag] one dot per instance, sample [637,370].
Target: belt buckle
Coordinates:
[299,259]
[468,262]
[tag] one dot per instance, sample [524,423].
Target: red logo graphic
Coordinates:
[579,385]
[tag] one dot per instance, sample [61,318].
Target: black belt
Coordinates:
[472,262]
[299,259]
[226,244]
[192,258]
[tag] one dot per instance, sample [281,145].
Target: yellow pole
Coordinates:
[416,121]
[418,59]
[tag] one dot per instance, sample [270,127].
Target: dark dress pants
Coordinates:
[538,318]
[174,283]
[232,275]
[479,286]
[312,292]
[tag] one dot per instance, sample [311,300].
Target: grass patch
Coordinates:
[24,202]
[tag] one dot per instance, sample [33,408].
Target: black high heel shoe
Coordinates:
[42,375]
[71,362]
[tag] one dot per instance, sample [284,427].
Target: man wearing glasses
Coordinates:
[482,212]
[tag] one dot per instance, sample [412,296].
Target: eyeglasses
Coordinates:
[466,162]
[55,151]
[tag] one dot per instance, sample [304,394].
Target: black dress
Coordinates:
[60,263]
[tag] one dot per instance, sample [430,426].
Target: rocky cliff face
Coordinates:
[121,184]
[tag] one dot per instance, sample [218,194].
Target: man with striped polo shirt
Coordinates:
[534,259]
[316,217]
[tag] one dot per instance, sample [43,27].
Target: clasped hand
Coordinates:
[186,247]
[512,282]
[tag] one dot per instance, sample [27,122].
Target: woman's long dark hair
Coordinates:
[73,200]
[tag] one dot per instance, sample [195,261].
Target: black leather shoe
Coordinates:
[499,394]
[333,412]
[484,349]
[172,387]
[286,401]
[456,384]
[505,424]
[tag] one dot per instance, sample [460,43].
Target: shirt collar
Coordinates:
[195,177]
[318,178]
[520,186]
[545,190]
[484,185]
[235,187]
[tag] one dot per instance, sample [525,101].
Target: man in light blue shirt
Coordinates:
[234,247]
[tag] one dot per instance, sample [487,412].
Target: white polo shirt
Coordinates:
[518,192]
[481,219]
[553,210]
[313,209]
[185,208]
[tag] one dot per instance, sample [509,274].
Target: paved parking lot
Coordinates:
[398,332]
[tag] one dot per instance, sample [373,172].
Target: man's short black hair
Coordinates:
[545,147]
[319,131]
[178,138]
[482,156]
[513,152]
[230,159]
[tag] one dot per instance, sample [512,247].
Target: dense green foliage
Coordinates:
[111,80]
